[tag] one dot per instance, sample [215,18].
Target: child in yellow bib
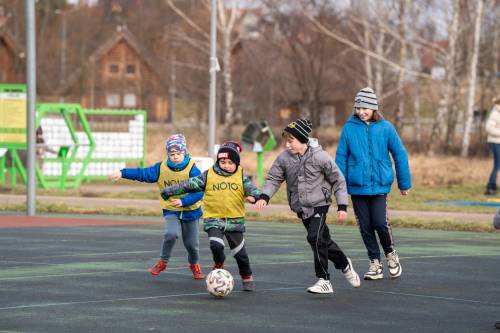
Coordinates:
[225,191]
[181,211]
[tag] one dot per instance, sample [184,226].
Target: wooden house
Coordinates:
[120,74]
[11,59]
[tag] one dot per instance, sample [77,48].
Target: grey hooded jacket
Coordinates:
[310,179]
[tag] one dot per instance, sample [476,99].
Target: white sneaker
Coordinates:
[393,264]
[374,270]
[321,287]
[351,275]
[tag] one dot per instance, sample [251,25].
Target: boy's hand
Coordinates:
[261,203]
[115,176]
[341,215]
[405,192]
[250,199]
[176,202]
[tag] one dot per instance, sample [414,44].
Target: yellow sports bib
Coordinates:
[169,177]
[224,196]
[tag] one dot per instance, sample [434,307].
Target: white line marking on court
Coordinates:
[126,299]
[82,274]
[253,264]
[454,299]
[91,254]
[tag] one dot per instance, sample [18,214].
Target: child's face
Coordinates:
[176,156]
[293,145]
[364,114]
[227,165]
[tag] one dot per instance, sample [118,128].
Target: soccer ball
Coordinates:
[219,283]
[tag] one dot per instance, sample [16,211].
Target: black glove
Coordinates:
[264,197]
[164,195]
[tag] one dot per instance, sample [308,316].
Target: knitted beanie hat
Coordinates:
[230,150]
[300,129]
[176,143]
[366,99]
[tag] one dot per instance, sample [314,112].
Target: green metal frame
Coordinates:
[121,112]
[66,180]
[67,155]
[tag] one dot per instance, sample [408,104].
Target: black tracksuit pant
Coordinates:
[322,245]
[371,213]
[236,244]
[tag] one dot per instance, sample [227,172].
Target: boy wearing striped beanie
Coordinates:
[311,179]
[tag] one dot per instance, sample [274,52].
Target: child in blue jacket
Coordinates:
[179,212]
[364,157]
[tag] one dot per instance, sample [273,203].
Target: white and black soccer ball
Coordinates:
[219,283]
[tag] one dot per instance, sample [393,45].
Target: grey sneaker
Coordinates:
[351,275]
[321,287]
[393,264]
[375,271]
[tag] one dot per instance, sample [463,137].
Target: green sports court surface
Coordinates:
[89,274]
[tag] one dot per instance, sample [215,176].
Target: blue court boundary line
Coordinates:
[464,203]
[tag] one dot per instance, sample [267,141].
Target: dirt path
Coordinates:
[271,209]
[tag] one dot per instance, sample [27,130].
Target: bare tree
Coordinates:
[495,51]
[226,19]
[226,22]
[414,13]
[472,81]
[402,60]
[377,36]
[308,58]
[438,126]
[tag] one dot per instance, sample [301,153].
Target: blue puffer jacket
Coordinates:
[363,157]
[151,174]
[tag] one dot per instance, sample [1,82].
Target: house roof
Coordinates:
[19,51]
[11,43]
[122,34]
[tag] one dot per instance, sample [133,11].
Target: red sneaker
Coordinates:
[159,267]
[218,265]
[197,273]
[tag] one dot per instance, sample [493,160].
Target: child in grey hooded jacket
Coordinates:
[311,178]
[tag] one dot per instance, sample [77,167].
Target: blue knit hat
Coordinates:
[176,143]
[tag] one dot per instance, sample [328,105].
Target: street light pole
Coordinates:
[63,53]
[29,6]
[214,66]
[172,90]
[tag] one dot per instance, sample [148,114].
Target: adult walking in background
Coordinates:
[493,130]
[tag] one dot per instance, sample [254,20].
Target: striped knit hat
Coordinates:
[300,129]
[366,99]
